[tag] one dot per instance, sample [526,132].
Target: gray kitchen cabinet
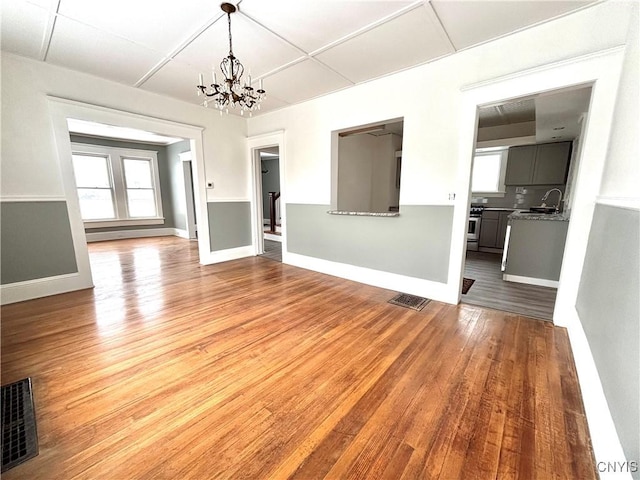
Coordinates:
[493,229]
[552,163]
[489,229]
[542,164]
[520,165]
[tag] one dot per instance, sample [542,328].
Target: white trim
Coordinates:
[178,232]
[115,157]
[122,234]
[62,108]
[32,198]
[542,282]
[619,50]
[169,125]
[604,436]
[227,255]
[273,139]
[628,203]
[377,278]
[41,287]
[272,237]
[122,222]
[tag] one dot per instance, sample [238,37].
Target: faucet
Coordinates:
[546,195]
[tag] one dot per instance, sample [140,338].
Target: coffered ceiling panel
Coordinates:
[255,47]
[156,24]
[405,41]
[175,79]
[302,81]
[23,28]
[469,22]
[313,25]
[87,49]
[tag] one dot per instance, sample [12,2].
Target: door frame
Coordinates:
[254,145]
[187,177]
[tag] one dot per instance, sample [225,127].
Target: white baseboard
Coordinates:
[604,437]
[271,236]
[123,234]
[43,287]
[178,232]
[542,282]
[391,281]
[229,254]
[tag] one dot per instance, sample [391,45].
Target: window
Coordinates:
[489,169]
[117,186]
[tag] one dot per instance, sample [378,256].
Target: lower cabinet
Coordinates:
[493,229]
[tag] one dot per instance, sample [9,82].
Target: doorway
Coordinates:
[503,193]
[268,207]
[269,158]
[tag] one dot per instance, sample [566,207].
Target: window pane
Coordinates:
[90,171]
[95,203]
[486,173]
[141,203]
[137,173]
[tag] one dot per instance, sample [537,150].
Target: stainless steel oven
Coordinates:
[473,228]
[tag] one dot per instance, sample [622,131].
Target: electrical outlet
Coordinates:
[452,196]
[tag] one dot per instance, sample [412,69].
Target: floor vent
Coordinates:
[409,301]
[19,435]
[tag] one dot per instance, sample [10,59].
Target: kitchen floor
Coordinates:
[489,290]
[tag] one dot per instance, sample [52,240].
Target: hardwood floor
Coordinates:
[489,290]
[253,369]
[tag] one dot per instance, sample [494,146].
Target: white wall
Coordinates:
[621,177]
[29,165]
[431,116]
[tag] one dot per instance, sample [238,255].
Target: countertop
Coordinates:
[524,215]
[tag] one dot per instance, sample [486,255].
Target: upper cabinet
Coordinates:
[543,164]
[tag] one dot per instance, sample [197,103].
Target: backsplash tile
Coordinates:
[531,196]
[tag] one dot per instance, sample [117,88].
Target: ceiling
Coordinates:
[302,49]
[546,117]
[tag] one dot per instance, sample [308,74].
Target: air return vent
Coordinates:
[409,301]
[19,435]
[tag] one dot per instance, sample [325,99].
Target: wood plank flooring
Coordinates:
[489,290]
[257,370]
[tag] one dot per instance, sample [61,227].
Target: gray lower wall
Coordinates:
[609,310]
[416,243]
[164,172]
[229,225]
[36,241]
[270,182]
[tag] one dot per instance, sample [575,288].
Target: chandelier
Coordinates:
[231,92]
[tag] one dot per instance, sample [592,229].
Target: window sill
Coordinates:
[119,222]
